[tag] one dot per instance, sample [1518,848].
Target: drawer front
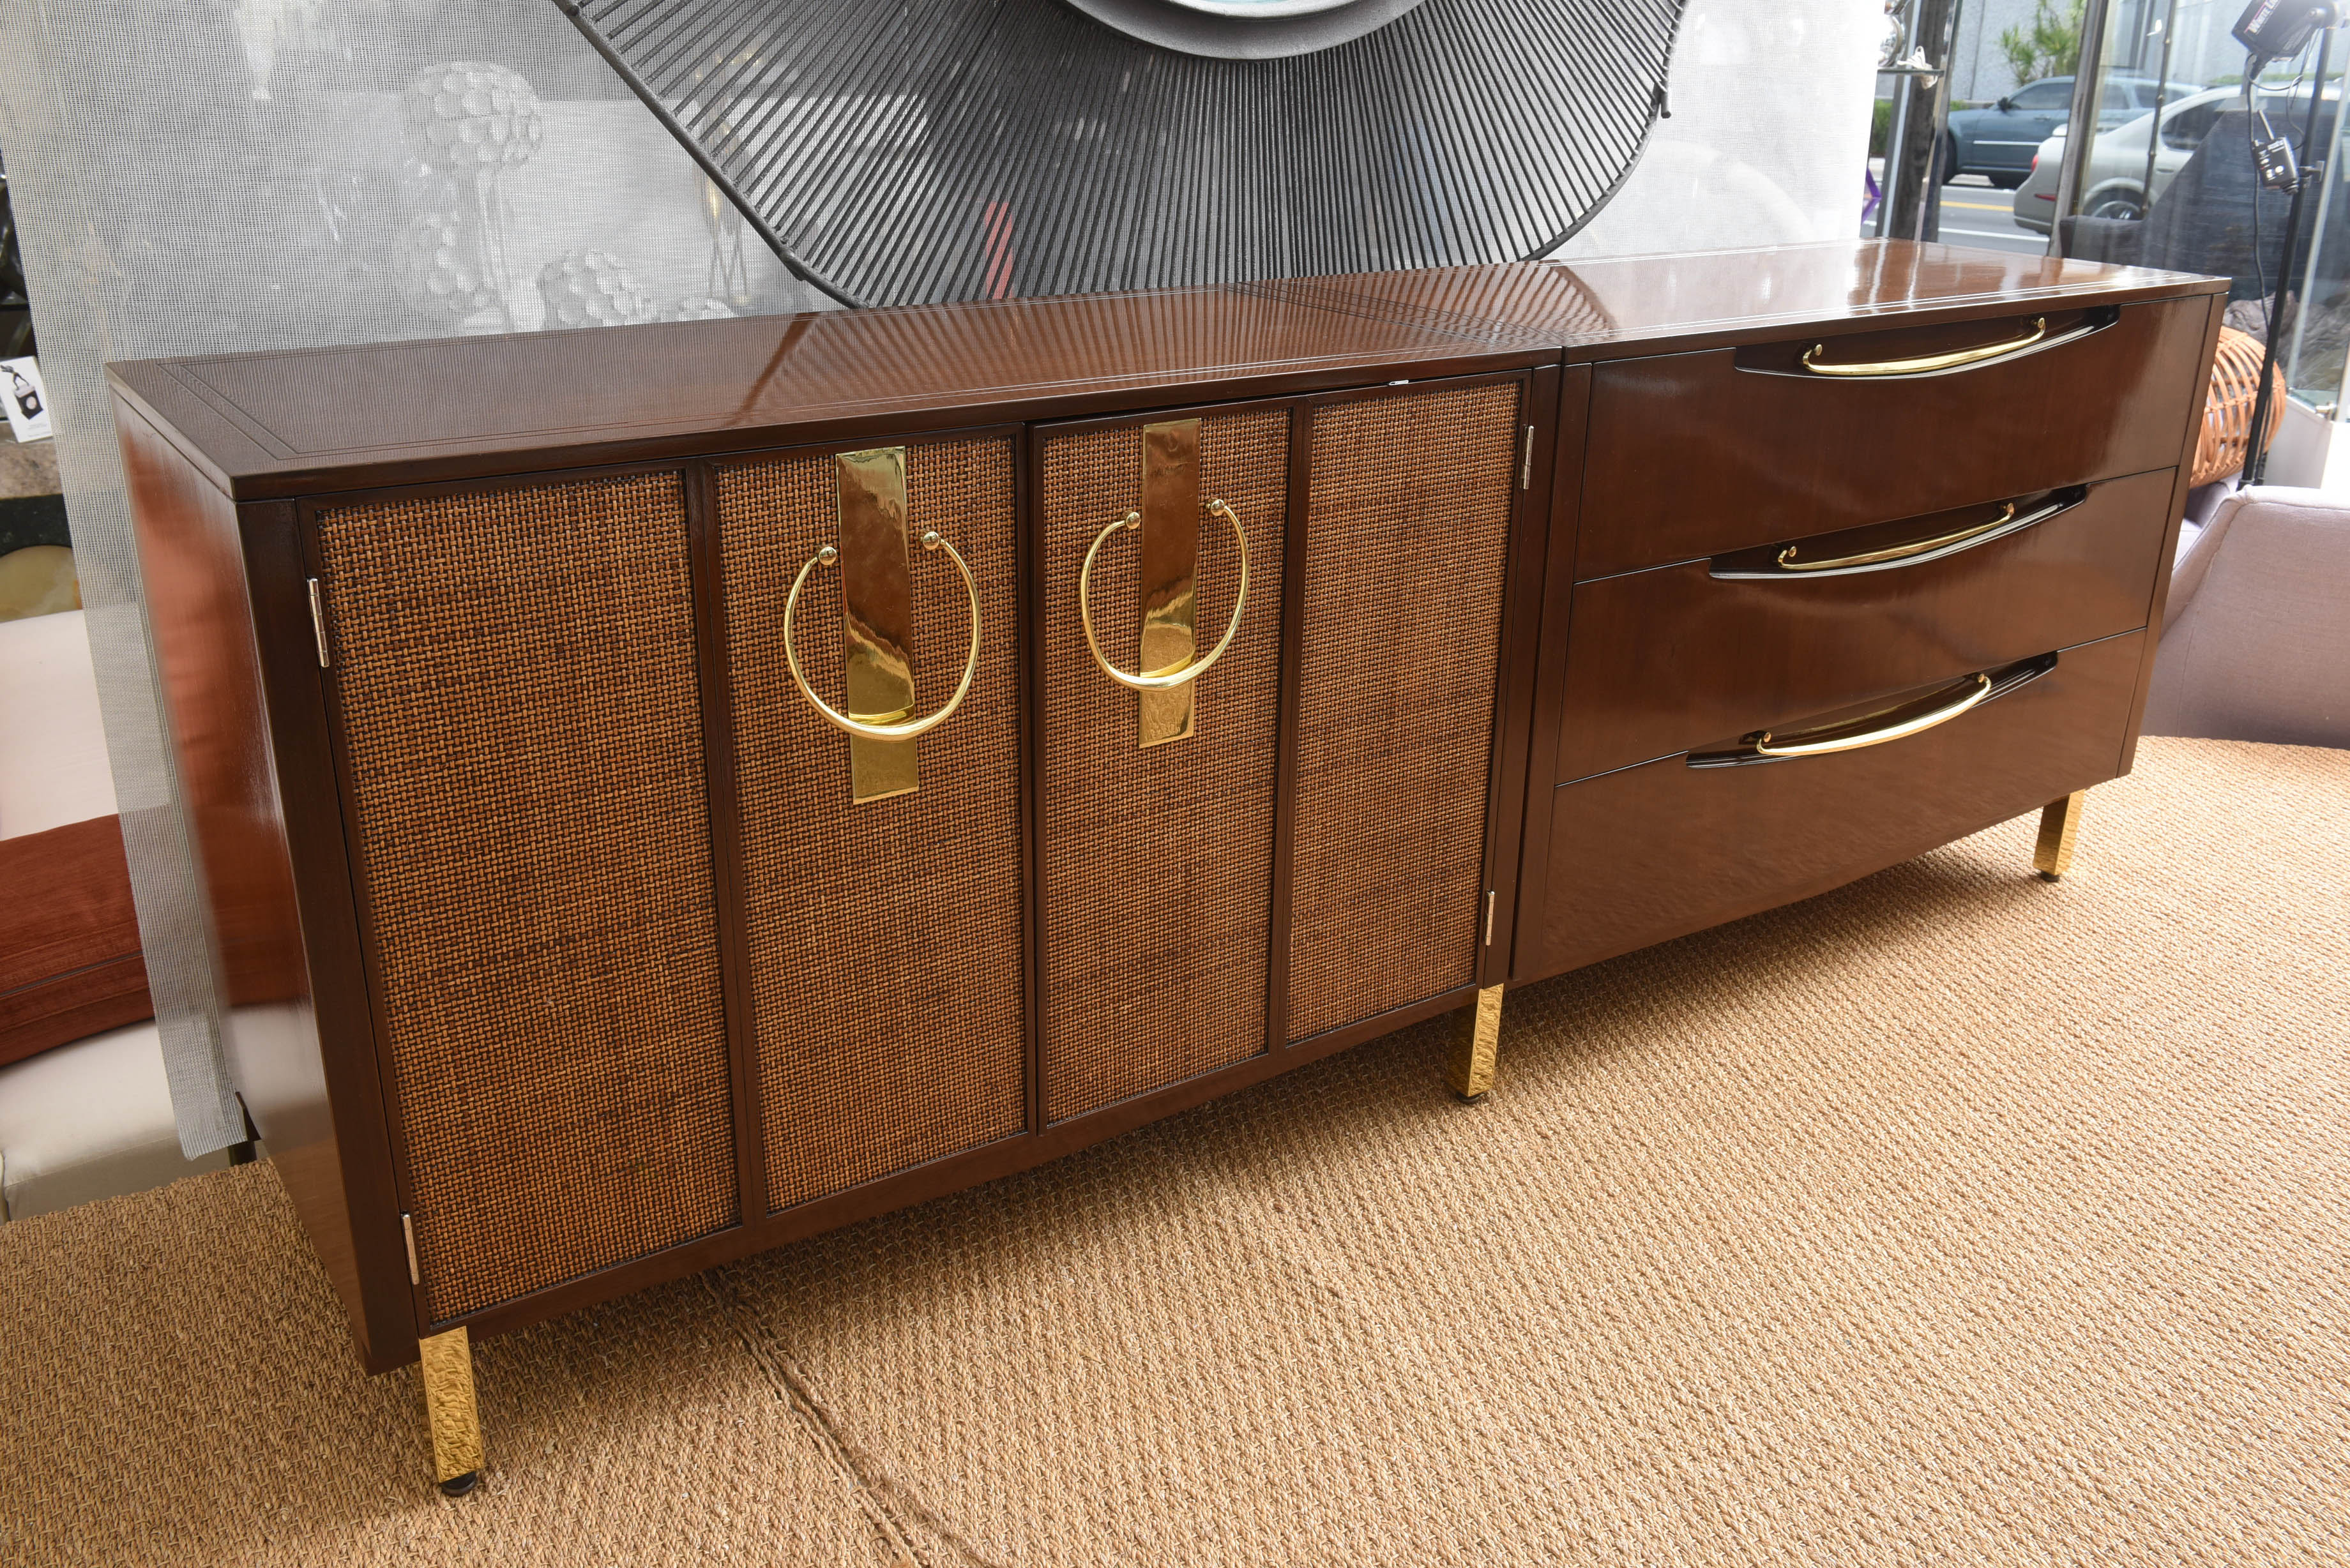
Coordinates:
[1694,454]
[1157,860]
[1646,854]
[515,691]
[1679,657]
[884,935]
[1409,500]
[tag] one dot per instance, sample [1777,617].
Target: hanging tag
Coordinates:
[28,399]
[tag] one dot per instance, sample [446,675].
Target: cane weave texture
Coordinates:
[885,937]
[1157,864]
[1408,526]
[515,674]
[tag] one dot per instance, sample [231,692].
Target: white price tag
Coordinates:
[28,399]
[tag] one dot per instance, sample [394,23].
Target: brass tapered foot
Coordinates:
[1476,1041]
[448,1366]
[2060,820]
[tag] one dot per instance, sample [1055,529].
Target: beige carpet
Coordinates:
[1950,1218]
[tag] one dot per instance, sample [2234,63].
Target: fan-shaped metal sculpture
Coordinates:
[896,151]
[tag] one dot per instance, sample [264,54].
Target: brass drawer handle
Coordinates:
[863,725]
[1928,364]
[1923,722]
[1917,553]
[1899,552]
[1187,671]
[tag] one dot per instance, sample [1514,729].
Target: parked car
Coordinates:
[2114,184]
[1999,142]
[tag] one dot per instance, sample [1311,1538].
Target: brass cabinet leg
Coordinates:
[1476,1041]
[2060,820]
[448,1360]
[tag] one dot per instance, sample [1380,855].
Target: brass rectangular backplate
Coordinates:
[877,602]
[1167,586]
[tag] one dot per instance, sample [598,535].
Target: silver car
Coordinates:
[2115,184]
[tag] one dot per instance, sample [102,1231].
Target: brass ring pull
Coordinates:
[1927,364]
[1923,722]
[1174,675]
[1898,552]
[861,724]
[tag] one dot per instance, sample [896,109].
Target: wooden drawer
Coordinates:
[1646,854]
[1699,453]
[1662,661]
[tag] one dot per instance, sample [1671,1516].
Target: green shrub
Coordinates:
[2047,45]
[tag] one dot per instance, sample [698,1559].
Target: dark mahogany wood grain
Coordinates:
[722,799]
[2216,305]
[332,419]
[1666,660]
[1646,854]
[1704,454]
[226,598]
[1514,702]
[1549,704]
[1629,306]
[1663,436]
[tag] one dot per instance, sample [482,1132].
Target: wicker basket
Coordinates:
[2228,410]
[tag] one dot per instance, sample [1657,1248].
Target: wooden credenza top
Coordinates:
[305,421]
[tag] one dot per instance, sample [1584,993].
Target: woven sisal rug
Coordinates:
[1950,1218]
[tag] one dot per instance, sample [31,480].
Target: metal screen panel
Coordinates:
[919,151]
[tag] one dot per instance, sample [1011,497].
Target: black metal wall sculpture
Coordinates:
[900,151]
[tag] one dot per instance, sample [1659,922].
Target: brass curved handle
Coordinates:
[862,723]
[1174,675]
[1901,552]
[1923,722]
[1927,364]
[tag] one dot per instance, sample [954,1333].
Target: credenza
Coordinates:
[668,790]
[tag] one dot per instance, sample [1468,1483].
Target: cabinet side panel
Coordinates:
[239,679]
[1157,862]
[884,936]
[1406,535]
[516,682]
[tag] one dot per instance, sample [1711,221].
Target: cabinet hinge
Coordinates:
[1526,459]
[408,1232]
[319,622]
[1491,895]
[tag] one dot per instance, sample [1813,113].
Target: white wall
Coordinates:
[1768,140]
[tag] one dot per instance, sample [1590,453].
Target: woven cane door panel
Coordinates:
[884,936]
[1157,864]
[515,679]
[1407,525]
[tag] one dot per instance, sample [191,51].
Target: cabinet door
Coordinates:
[513,684]
[884,934]
[1157,861]
[1409,498]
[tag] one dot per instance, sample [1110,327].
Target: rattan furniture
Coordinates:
[721,780]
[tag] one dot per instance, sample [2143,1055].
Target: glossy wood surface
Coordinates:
[1674,658]
[464,413]
[1631,305]
[1722,451]
[328,418]
[2167,553]
[1646,854]
[226,600]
